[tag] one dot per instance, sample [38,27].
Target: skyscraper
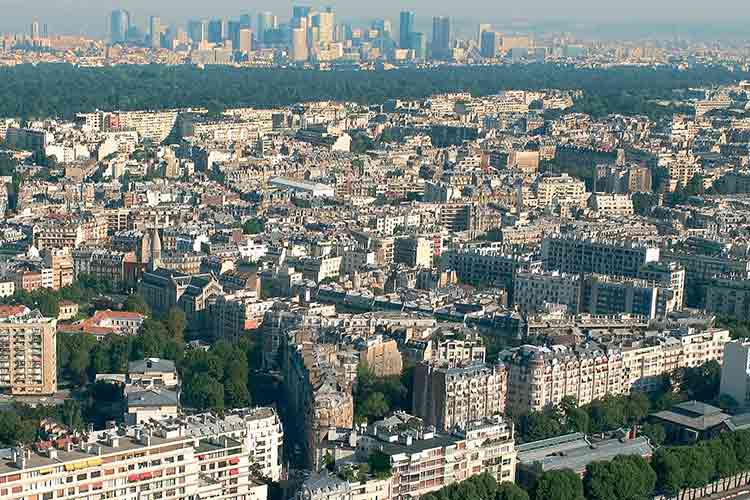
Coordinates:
[154,31]
[383,26]
[488,44]
[266,22]
[441,38]
[246,21]
[119,26]
[406,28]
[419,44]
[299,45]
[300,11]
[325,22]
[198,31]
[244,41]
[34,30]
[217,30]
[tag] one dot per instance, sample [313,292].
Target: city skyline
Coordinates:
[86,17]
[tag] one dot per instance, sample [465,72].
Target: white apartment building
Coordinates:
[612,205]
[735,372]
[562,189]
[184,458]
[572,255]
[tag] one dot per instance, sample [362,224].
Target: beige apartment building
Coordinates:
[28,352]
[540,377]
[449,397]
[561,189]
[201,456]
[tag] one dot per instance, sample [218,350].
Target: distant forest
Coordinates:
[61,90]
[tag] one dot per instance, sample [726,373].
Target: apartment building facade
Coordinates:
[423,461]
[573,255]
[451,397]
[201,456]
[28,352]
[540,377]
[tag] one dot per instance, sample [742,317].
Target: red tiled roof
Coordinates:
[11,311]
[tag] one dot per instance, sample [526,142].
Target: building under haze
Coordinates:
[441,38]
[406,28]
[154,24]
[119,26]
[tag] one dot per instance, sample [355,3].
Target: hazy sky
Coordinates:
[89,16]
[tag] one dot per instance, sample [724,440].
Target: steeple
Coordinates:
[155,261]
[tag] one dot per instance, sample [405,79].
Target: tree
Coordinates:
[175,324]
[537,425]
[136,303]
[374,407]
[698,465]
[380,464]
[558,485]
[701,383]
[203,392]
[637,407]
[655,433]
[670,476]
[253,226]
[510,491]
[71,414]
[622,478]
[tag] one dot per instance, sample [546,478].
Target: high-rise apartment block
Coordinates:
[28,352]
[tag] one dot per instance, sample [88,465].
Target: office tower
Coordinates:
[441,38]
[482,29]
[154,31]
[419,44]
[266,22]
[217,30]
[488,44]
[198,31]
[301,11]
[299,44]
[406,28]
[233,33]
[119,26]
[45,31]
[246,21]
[325,22]
[244,42]
[35,30]
[383,26]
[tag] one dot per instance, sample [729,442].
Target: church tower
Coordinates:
[155,261]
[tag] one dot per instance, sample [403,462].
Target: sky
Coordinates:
[89,16]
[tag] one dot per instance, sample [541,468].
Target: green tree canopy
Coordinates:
[558,485]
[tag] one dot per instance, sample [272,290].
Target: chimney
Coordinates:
[20,457]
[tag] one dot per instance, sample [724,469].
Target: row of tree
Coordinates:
[83,290]
[705,468]
[480,487]
[44,90]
